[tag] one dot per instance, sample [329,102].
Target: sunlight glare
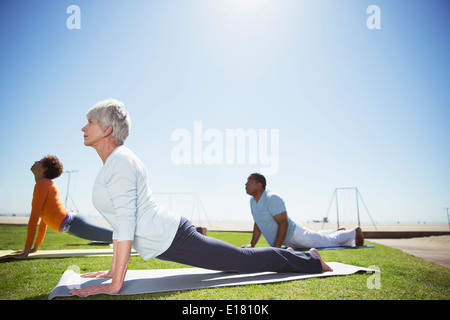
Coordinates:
[248,9]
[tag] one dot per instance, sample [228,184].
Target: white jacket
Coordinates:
[122,195]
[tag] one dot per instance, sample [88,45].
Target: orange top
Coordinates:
[46,205]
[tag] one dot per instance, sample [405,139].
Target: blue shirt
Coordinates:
[269,205]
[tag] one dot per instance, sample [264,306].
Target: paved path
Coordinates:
[435,248]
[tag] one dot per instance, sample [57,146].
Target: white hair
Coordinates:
[112,112]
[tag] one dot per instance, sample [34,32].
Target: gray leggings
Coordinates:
[192,248]
[80,227]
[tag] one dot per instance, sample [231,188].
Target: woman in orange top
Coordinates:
[48,206]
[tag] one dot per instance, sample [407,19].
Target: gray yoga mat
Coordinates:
[44,254]
[161,280]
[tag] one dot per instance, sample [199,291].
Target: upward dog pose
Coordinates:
[272,221]
[47,206]
[122,195]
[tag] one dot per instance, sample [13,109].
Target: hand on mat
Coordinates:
[98,289]
[20,254]
[17,255]
[23,251]
[98,274]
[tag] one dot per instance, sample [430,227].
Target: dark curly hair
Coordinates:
[53,165]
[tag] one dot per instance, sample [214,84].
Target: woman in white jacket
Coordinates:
[122,195]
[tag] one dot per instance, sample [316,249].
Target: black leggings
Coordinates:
[82,228]
[192,248]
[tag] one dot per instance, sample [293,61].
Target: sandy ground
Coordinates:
[434,248]
[248,225]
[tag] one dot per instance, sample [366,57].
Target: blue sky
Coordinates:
[354,107]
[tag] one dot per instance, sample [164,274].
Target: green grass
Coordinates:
[403,276]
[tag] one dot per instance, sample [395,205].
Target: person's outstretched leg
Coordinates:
[82,228]
[191,248]
[305,238]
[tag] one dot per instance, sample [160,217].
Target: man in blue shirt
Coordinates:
[272,221]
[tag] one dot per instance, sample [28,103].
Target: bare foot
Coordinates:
[325,267]
[359,237]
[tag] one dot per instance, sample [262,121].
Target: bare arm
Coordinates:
[121,258]
[121,264]
[255,237]
[282,221]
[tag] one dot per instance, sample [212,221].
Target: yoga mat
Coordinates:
[341,247]
[66,253]
[108,252]
[161,280]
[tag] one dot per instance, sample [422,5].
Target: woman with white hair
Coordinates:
[122,195]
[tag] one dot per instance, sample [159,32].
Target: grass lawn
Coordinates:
[403,276]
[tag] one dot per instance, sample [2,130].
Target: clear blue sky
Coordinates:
[354,107]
